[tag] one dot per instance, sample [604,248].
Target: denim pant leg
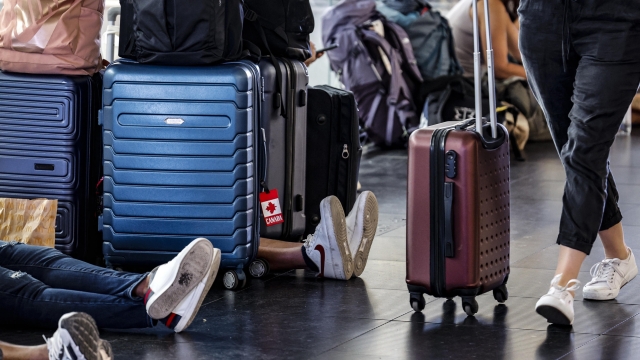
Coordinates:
[26,301]
[584,99]
[61,271]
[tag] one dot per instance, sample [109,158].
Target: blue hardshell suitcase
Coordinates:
[181,149]
[50,148]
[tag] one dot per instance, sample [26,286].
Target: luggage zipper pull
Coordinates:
[345,151]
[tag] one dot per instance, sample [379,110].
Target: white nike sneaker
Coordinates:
[170,283]
[328,247]
[182,316]
[609,276]
[77,338]
[557,305]
[362,223]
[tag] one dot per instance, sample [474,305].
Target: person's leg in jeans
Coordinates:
[584,86]
[27,301]
[64,272]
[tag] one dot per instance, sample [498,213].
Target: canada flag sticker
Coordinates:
[271,208]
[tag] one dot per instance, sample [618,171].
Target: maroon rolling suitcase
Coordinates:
[458,204]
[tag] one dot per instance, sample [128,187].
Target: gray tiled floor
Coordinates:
[293,315]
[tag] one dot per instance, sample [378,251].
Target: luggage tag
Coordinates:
[271,207]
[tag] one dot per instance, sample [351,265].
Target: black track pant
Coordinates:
[582,59]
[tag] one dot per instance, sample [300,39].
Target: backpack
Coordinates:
[171,32]
[516,91]
[430,36]
[388,109]
[450,98]
[61,39]
[279,27]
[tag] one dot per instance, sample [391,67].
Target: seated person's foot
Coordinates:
[172,282]
[608,276]
[184,313]
[362,223]
[77,337]
[557,305]
[327,249]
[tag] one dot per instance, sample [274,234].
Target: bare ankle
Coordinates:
[142,288]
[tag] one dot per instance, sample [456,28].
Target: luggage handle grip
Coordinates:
[477,73]
[448,220]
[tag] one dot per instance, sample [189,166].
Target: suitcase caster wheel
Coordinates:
[258,268]
[501,294]
[233,280]
[417,302]
[470,306]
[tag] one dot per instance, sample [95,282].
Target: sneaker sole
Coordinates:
[106,353]
[588,295]
[195,266]
[553,315]
[84,333]
[214,265]
[370,227]
[340,232]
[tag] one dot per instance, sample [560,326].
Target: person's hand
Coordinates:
[314,55]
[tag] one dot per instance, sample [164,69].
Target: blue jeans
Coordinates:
[582,59]
[38,285]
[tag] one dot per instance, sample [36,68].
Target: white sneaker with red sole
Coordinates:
[328,247]
[172,282]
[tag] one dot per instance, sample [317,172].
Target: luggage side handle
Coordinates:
[449,249]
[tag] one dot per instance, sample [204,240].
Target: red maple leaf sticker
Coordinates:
[271,208]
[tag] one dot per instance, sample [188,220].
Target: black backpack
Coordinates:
[279,27]
[181,32]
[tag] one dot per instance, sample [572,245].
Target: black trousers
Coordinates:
[582,59]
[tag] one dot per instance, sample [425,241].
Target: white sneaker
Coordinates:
[170,283]
[182,316]
[328,247]
[362,223]
[608,276]
[77,338]
[557,305]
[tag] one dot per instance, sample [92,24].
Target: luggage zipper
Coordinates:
[345,151]
[437,192]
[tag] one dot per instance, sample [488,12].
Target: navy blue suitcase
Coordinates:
[50,148]
[181,146]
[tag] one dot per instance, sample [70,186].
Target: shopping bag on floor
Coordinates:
[28,221]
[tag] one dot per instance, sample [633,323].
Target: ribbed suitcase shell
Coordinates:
[180,157]
[481,215]
[334,150]
[50,148]
[287,145]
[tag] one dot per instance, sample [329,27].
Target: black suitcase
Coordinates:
[50,147]
[333,150]
[286,140]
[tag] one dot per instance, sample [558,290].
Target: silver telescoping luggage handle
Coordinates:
[477,71]
[112,30]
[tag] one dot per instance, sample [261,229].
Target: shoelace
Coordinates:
[569,287]
[604,270]
[55,346]
[308,241]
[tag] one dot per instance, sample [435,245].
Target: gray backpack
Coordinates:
[430,36]
[387,108]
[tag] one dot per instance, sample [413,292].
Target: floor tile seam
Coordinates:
[364,333]
[622,322]
[583,345]
[496,326]
[244,288]
[514,265]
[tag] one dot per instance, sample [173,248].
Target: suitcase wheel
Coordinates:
[258,268]
[234,279]
[417,302]
[470,305]
[501,294]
